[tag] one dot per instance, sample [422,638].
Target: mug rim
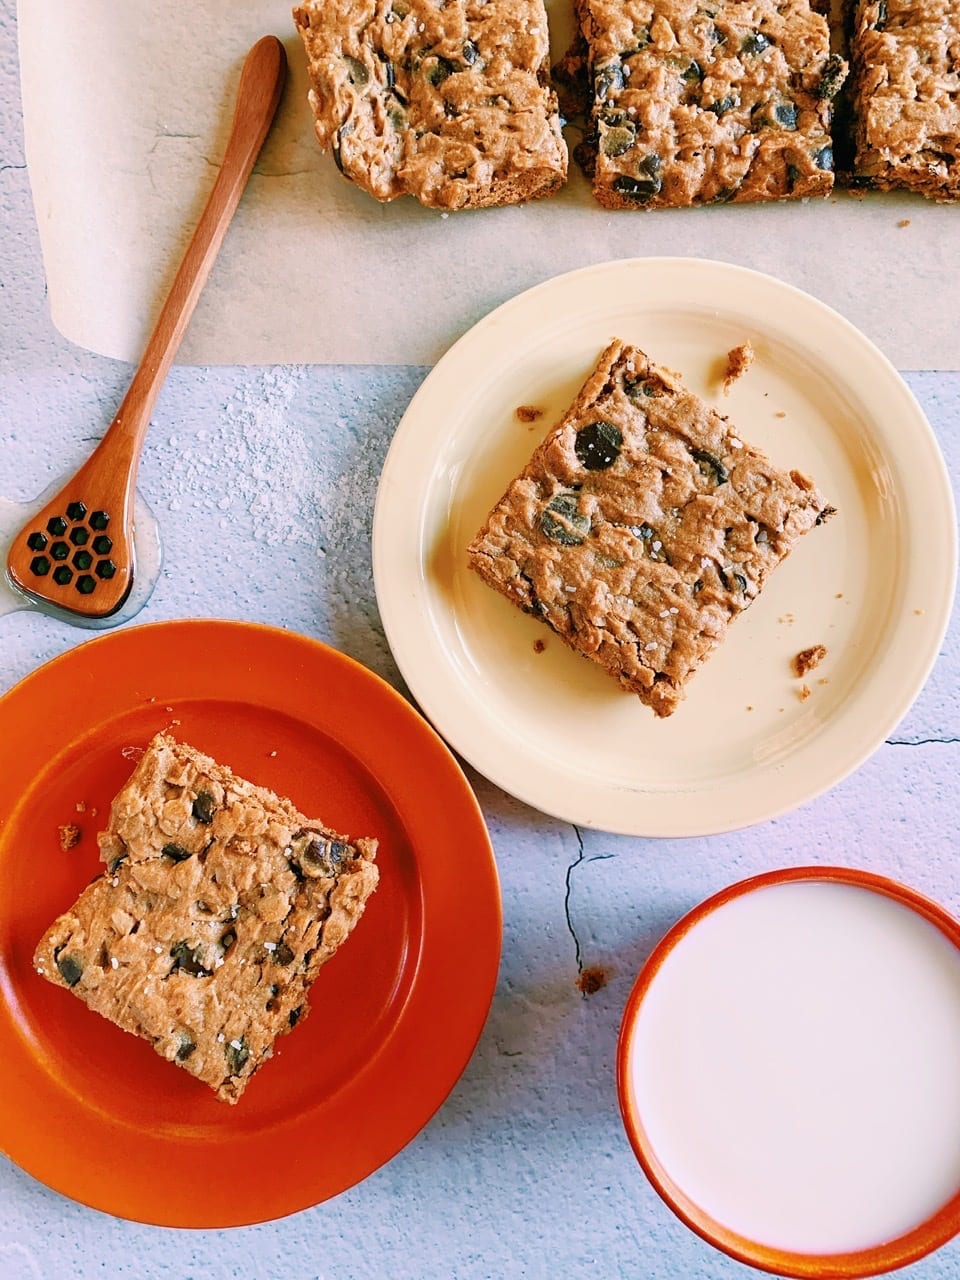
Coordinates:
[908,1247]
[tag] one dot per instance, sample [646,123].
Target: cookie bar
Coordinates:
[642,526]
[218,907]
[906,95]
[702,101]
[448,103]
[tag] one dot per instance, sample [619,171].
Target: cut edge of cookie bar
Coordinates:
[219,905]
[647,606]
[909,141]
[782,148]
[364,100]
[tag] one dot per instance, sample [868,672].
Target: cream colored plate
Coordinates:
[874,585]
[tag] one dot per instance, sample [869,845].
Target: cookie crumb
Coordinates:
[539,646]
[69,835]
[81,807]
[739,360]
[272,754]
[590,981]
[919,612]
[824,680]
[808,659]
[131,753]
[749,708]
[838,596]
[803,693]
[780,414]
[528,413]
[904,222]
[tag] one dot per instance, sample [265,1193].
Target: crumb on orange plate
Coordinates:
[69,834]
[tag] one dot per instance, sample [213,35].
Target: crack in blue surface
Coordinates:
[921,742]
[566,899]
[581,857]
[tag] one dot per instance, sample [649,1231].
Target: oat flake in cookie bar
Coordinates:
[906,95]
[219,905]
[701,101]
[642,526]
[450,103]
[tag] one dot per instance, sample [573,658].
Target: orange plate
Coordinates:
[92,1111]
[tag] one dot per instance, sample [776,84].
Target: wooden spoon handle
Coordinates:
[258,95]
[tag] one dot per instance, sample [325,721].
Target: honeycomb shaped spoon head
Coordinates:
[77,553]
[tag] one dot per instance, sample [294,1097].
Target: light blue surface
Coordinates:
[525,1171]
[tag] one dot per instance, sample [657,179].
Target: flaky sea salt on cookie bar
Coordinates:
[642,526]
[219,905]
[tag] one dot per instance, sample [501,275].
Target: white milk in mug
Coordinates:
[795,1066]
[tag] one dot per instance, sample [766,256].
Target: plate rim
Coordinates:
[476,987]
[406,648]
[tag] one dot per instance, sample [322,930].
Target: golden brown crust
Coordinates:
[448,103]
[642,526]
[219,905]
[906,95]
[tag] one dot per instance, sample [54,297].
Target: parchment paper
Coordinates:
[126,112]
